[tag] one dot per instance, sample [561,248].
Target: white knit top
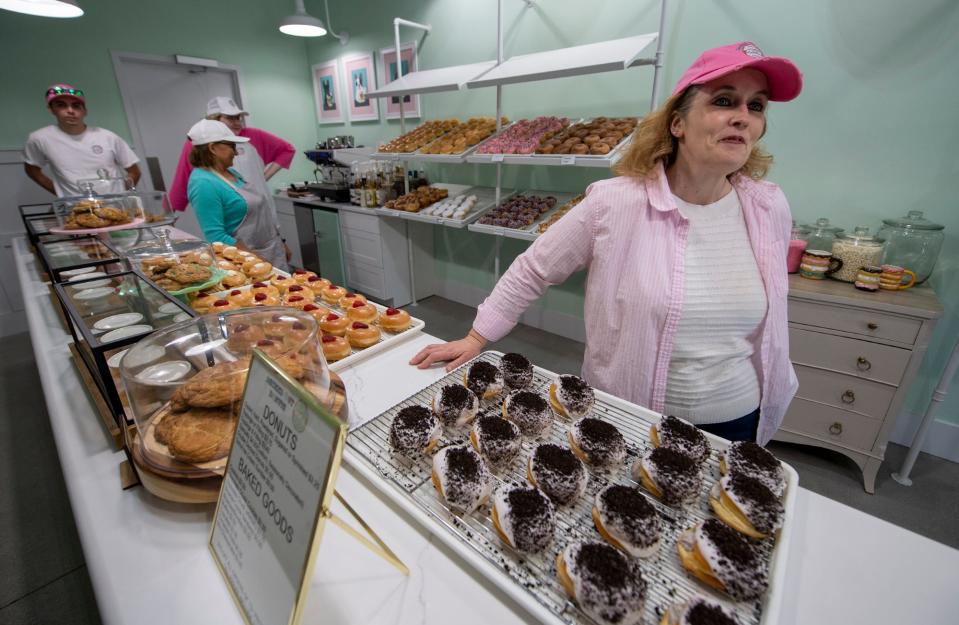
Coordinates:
[712,377]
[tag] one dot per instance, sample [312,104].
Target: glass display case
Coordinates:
[92,211]
[179,266]
[38,226]
[69,258]
[34,210]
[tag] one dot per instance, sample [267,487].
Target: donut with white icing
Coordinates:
[571,396]
[517,371]
[524,518]
[680,435]
[499,441]
[414,430]
[627,521]
[484,378]
[455,405]
[671,476]
[529,411]
[747,505]
[698,611]
[461,478]
[723,559]
[557,472]
[606,585]
[597,443]
[749,458]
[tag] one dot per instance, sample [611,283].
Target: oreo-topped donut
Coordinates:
[698,611]
[626,519]
[723,559]
[571,396]
[749,458]
[523,518]
[747,505]
[455,405]
[682,436]
[671,476]
[517,371]
[529,411]
[461,478]
[597,442]
[607,585]
[497,440]
[414,431]
[557,472]
[484,379]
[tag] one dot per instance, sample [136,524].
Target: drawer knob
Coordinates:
[862,364]
[872,325]
[835,429]
[848,397]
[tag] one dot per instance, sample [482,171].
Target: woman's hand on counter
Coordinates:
[455,352]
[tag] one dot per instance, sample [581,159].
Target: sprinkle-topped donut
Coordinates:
[670,475]
[607,586]
[557,472]
[455,405]
[682,436]
[732,559]
[484,379]
[524,517]
[571,396]
[461,477]
[749,458]
[753,499]
[600,443]
[699,611]
[627,517]
[517,371]
[414,430]
[529,411]
[497,440]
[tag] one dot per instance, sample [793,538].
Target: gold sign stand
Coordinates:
[376,545]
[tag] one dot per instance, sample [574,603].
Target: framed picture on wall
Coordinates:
[359,75]
[326,90]
[411,104]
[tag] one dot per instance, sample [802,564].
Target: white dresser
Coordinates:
[855,355]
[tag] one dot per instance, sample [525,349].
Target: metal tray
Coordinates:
[530,232]
[577,160]
[486,199]
[387,339]
[531,580]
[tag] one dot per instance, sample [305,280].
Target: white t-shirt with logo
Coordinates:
[78,157]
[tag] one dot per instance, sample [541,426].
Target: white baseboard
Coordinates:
[13,323]
[942,440]
[536,316]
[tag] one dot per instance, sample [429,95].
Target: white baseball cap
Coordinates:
[223,106]
[210,131]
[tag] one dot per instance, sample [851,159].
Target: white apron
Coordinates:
[258,231]
[250,165]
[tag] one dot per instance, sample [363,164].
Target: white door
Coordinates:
[163,99]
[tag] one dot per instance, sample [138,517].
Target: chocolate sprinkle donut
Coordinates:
[464,477]
[558,472]
[526,517]
[763,509]
[517,371]
[733,560]
[413,429]
[530,412]
[574,395]
[749,458]
[609,587]
[455,405]
[498,440]
[675,474]
[683,436]
[483,377]
[629,518]
[602,443]
[702,611]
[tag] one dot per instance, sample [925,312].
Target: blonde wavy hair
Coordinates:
[653,143]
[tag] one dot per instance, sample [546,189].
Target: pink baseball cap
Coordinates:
[61,90]
[785,79]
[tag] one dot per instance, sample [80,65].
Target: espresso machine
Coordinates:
[333,158]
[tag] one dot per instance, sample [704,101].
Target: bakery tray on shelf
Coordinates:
[577,160]
[531,580]
[420,156]
[528,233]
[486,199]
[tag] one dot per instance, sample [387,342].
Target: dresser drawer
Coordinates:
[830,424]
[358,221]
[865,322]
[862,359]
[365,278]
[362,245]
[865,397]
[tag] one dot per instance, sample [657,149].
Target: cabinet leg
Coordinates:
[869,471]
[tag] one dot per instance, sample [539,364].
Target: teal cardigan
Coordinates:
[219,208]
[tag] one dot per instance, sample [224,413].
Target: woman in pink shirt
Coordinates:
[685,306]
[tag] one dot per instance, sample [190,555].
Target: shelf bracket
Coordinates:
[397,22]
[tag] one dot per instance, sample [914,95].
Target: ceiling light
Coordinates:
[44,8]
[300,24]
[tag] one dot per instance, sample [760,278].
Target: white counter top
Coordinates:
[148,560]
[319,203]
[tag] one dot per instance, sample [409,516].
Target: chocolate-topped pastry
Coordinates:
[529,411]
[723,559]
[557,472]
[671,476]
[484,379]
[414,431]
[747,505]
[461,478]
[571,396]
[523,518]
[626,519]
[455,405]
[497,440]
[749,458]
[698,611]
[680,435]
[607,585]
[597,442]
[517,371]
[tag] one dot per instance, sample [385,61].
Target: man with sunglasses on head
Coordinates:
[74,150]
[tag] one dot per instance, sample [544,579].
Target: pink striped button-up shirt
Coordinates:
[631,237]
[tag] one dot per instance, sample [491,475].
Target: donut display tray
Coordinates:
[530,232]
[531,580]
[387,340]
[485,196]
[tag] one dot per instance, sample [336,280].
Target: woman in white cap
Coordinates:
[685,306]
[228,208]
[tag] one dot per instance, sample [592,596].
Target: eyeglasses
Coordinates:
[65,91]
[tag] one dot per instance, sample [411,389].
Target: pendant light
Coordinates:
[43,8]
[302,24]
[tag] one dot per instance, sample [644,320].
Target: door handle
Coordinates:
[872,325]
[848,397]
[862,364]
[835,429]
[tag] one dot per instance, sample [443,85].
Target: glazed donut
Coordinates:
[281,283]
[461,478]
[698,611]
[362,335]
[497,440]
[414,431]
[361,311]
[606,585]
[597,443]
[270,347]
[242,337]
[265,299]
[226,265]
[395,320]
[302,276]
[302,291]
[334,324]
[627,521]
[346,302]
[317,283]
[203,301]
[222,305]
[318,312]
[571,396]
[579,148]
[517,371]
[680,435]
[297,334]
[523,517]
[263,287]
[335,347]
[258,269]
[484,379]
[230,252]
[529,411]
[746,505]
[557,472]
[240,298]
[218,247]
[749,458]
[277,326]
[233,279]
[455,405]
[296,301]
[671,476]
[599,148]
[332,294]
[722,559]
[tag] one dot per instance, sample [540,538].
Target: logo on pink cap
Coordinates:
[751,49]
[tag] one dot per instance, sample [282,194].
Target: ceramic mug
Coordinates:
[891,279]
[817,264]
[867,278]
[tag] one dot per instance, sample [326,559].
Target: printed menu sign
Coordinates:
[277,487]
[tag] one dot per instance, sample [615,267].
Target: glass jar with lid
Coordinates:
[912,242]
[822,233]
[856,250]
[798,241]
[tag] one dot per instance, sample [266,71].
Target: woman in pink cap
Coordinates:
[685,250]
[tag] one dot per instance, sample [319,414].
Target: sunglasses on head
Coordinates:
[64,91]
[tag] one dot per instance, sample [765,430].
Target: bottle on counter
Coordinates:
[912,242]
[856,250]
[798,241]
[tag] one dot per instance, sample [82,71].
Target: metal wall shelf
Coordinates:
[451,78]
